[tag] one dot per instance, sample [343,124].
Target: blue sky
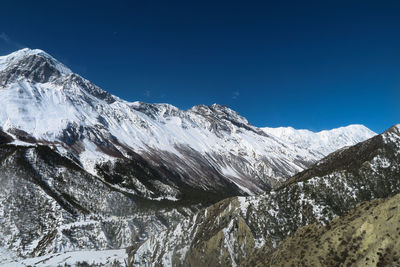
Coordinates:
[306,64]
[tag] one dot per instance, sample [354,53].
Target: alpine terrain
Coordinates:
[314,219]
[85,175]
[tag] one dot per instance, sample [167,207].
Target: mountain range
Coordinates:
[83,170]
[209,147]
[246,231]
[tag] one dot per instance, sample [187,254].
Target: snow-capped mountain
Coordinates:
[81,169]
[209,147]
[323,142]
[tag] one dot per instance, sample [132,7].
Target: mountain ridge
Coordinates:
[96,127]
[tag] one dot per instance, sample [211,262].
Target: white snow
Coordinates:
[105,257]
[380,162]
[227,170]
[323,142]
[8,257]
[243,204]
[228,240]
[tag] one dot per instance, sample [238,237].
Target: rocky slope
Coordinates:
[228,232]
[368,235]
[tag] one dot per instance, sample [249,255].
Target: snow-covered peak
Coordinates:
[325,141]
[26,52]
[34,64]
[220,112]
[17,55]
[290,131]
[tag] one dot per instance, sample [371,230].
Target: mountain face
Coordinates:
[209,148]
[237,230]
[81,169]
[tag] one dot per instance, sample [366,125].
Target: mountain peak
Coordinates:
[32,64]
[392,134]
[220,111]
[25,52]
[395,128]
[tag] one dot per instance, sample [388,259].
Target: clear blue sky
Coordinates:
[306,64]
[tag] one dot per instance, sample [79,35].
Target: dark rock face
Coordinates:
[22,135]
[35,68]
[155,110]
[72,134]
[90,88]
[218,115]
[5,138]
